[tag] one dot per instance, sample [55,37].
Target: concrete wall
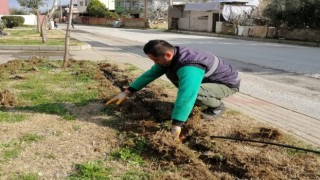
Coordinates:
[196,21]
[253,31]
[200,21]
[243,30]
[184,21]
[301,35]
[225,28]
[258,31]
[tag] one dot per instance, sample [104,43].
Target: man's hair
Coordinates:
[157,47]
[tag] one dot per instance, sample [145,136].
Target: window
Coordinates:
[81,3]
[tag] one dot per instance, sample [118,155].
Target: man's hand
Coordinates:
[176,132]
[119,98]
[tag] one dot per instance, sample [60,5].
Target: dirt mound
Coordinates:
[7,98]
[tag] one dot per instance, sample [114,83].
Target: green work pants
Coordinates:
[210,94]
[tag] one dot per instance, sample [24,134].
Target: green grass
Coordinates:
[11,117]
[96,170]
[27,176]
[11,153]
[131,155]
[48,90]
[128,155]
[91,170]
[135,175]
[31,37]
[13,148]
[28,138]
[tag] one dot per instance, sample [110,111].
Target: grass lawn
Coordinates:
[31,37]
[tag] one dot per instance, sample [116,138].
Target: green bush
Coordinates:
[98,9]
[13,21]
[2,24]
[294,13]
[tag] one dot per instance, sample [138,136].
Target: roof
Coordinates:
[233,1]
[213,6]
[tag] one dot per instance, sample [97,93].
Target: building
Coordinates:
[83,4]
[75,10]
[207,17]
[133,8]
[4,7]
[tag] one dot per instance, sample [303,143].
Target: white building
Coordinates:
[82,5]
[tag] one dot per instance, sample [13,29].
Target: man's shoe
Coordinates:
[213,113]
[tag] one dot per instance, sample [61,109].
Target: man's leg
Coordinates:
[210,95]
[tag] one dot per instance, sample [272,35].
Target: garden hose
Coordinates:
[265,142]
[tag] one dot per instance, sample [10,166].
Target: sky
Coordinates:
[15,4]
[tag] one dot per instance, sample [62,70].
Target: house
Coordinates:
[201,16]
[83,4]
[194,16]
[132,8]
[75,10]
[136,8]
[4,7]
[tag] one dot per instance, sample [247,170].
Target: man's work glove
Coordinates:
[119,98]
[176,132]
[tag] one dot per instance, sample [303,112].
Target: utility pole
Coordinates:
[145,13]
[47,7]
[60,11]
[170,14]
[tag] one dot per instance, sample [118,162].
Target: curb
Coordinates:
[44,48]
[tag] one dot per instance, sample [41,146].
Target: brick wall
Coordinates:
[126,22]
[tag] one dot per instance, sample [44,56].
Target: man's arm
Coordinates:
[153,73]
[190,78]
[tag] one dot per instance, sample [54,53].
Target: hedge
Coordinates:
[13,21]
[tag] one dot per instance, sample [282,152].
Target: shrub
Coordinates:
[13,21]
[2,24]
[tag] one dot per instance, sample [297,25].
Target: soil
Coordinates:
[147,114]
[200,156]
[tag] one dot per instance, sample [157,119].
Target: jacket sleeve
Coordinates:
[190,78]
[153,73]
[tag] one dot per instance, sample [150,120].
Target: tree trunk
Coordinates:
[38,21]
[45,20]
[66,49]
[44,30]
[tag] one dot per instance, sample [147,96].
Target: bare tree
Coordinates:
[34,5]
[156,9]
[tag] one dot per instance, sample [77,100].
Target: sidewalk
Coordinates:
[123,51]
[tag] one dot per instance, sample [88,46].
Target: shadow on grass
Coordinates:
[59,109]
